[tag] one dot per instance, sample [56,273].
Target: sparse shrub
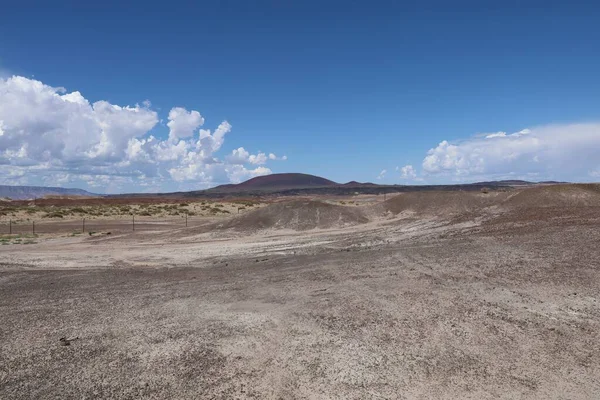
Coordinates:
[54,214]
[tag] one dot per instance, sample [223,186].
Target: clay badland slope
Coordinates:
[515,204]
[559,199]
[298,215]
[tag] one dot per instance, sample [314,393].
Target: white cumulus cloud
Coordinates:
[258,159]
[182,123]
[274,157]
[241,156]
[51,136]
[238,156]
[408,172]
[568,151]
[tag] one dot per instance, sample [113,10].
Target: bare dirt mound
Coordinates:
[542,199]
[553,204]
[443,203]
[299,215]
[566,196]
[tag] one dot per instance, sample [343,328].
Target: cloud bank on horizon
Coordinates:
[552,152]
[51,137]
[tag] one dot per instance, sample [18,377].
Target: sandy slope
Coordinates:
[413,305]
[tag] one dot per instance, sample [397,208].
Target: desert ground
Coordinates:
[428,295]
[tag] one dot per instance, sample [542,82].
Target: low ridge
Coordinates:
[561,198]
[36,192]
[298,215]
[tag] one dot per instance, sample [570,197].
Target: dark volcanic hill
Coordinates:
[36,192]
[277,182]
[506,183]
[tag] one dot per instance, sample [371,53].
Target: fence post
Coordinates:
[133,221]
[186,220]
[10,226]
[33,227]
[83,226]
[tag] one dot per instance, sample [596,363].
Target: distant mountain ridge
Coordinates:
[36,192]
[298,181]
[517,183]
[285,184]
[292,184]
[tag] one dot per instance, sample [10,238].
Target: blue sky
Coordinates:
[344,90]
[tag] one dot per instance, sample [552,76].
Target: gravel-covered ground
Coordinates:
[405,308]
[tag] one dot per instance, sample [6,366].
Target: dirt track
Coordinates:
[490,305]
